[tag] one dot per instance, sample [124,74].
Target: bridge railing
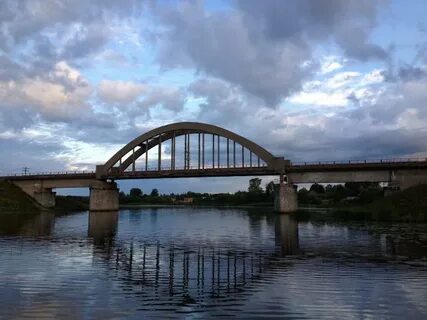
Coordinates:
[46,173]
[368,161]
[149,169]
[169,168]
[207,167]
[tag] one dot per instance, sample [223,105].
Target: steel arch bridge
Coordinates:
[207,150]
[191,149]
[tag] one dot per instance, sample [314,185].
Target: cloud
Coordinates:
[340,89]
[349,24]
[26,150]
[304,79]
[113,91]
[168,97]
[221,45]
[330,64]
[266,49]
[60,95]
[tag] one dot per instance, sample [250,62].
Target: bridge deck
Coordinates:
[306,167]
[359,165]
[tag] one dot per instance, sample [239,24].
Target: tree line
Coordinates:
[317,195]
[341,194]
[254,194]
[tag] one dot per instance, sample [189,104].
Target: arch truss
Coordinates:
[190,149]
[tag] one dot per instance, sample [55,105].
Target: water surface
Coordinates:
[197,263]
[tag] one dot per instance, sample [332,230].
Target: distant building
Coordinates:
[186,200]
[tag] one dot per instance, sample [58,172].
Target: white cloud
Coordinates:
[373,77]
[116,91]
[342,79]
[338,89]
[319,98]
[330,64]
[79,155]
[59,94]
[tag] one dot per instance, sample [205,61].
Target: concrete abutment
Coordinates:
[46,198]
[104,196]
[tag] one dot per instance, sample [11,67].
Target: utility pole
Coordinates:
[25,171]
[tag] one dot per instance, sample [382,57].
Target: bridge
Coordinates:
[191,149]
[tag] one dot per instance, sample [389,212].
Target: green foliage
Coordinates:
[407,205]
[354,193]
[65,204]
[269,188]
[13,199]
[136,192]
[318,188]
[255,186]
[308,197]
[256,196]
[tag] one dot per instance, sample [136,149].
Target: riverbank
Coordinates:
[409,205]
[13,199]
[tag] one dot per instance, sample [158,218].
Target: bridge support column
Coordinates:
[104,197]
[285,198]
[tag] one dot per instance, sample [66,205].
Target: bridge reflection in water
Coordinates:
[187,272]
[28,225]
[219,262]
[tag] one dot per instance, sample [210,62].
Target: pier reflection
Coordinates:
[286,234]
[188,273]
[31,225]
[102,225]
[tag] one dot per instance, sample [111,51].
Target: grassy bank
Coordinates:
[13,199]
[409,205]
[406,205]
[66,204]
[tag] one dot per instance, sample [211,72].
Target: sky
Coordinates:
[307,80]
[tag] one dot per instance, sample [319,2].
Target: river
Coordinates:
[198,263]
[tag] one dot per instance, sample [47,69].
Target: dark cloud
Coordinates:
[45,32]
[264,47]
[221,45]
[222,103]
[412,73]
[169,98]
[348,23]
[33,153]
[248,58]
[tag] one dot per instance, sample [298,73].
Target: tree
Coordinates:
[122,196]
[269,188]
[308,197]
[135,193]
[318,188]
[255,185]
[154,193]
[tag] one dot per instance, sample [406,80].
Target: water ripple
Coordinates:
[209,263]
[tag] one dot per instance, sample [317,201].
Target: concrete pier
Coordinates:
[285,198]
[104,197]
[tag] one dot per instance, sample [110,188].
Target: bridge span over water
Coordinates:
[190,149]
